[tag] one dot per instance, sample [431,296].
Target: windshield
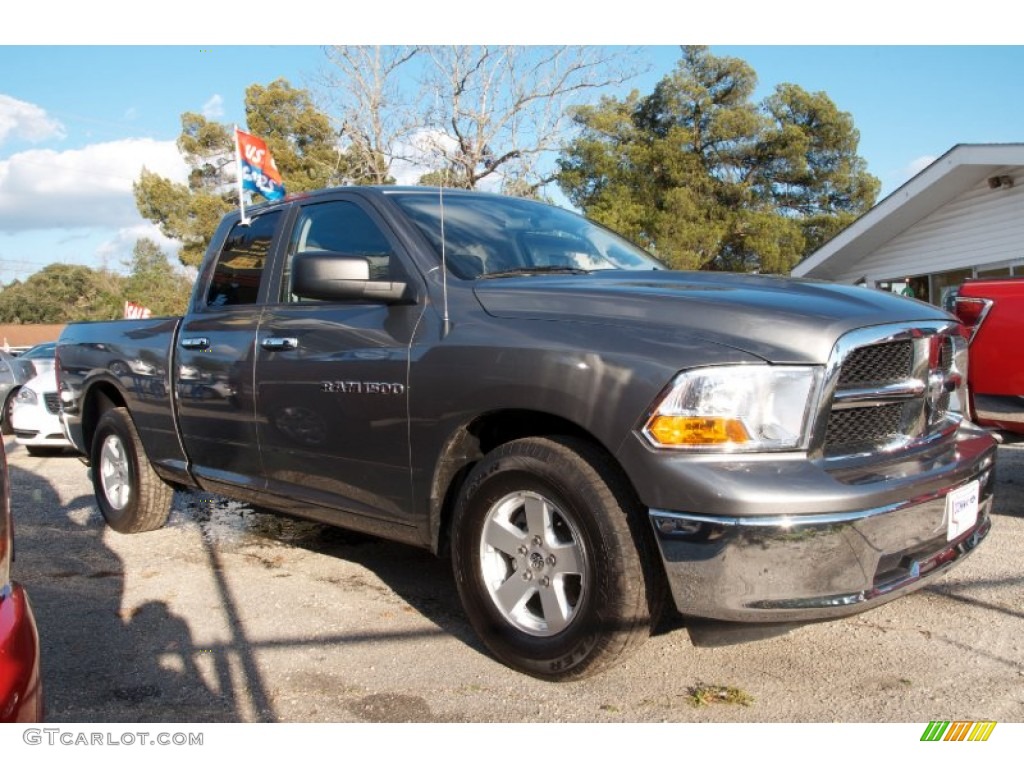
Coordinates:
[489,236]
[41,351]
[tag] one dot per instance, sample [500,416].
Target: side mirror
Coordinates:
[330,276]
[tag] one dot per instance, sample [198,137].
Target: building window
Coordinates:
[912,287]
[946,284]
[1001,271]
[940,288]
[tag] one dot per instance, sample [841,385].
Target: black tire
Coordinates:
[5,422]
[552,560]
[130,495]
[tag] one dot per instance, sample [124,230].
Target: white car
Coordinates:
[41,355]
[36,416]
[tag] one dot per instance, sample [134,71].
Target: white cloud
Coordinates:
[89,187]
[116,252]
[423,153]
[417,157]
[26,121]
[213,109]
[407,173]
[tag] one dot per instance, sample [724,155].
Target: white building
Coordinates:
[961,217]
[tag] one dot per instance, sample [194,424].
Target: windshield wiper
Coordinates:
[563,270]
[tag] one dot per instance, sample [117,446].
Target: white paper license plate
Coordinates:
[961,509]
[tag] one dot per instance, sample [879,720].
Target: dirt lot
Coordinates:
[231,615]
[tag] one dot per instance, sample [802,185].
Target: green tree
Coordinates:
[188,213]
[153,282]
[708,179]
[298,135]
[450,177]
[62,293]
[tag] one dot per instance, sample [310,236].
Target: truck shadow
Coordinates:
[101,661]
[422,580]
[107,661]
[1009,494]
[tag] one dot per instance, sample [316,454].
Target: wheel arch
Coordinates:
[101,397]
[474,439]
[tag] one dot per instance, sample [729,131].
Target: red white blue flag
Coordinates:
[256,167]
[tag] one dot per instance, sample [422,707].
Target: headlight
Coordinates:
[26,396]
[736,408]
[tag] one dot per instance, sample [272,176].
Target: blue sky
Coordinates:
[77,122]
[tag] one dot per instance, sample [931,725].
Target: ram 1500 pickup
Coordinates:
[584,432]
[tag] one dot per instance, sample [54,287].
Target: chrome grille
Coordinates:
[892,386]
[52,400]
[878,364]
[855,427]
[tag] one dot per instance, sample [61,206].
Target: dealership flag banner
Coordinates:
[257,171]
[135,311]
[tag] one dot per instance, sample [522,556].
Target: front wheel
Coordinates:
[551,559]
[130,495]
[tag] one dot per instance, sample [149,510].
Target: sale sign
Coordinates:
[258,171]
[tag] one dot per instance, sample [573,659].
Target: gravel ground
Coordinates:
[233,615]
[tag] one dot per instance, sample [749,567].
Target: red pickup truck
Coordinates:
[993,311]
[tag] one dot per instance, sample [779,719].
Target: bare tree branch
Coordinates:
[468,113]
[367,91]
[506,106]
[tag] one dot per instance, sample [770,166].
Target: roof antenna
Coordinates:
[444,264]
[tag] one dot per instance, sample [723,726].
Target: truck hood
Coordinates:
[779,319]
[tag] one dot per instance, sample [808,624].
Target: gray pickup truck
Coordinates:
[583,432]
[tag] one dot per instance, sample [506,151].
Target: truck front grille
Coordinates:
[878,364]
[892,386]
[871,424]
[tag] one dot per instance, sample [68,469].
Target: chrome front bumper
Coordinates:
[813,566]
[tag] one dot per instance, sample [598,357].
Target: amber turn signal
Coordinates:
[696,430]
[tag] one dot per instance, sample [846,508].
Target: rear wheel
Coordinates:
[551,560]
[130,495]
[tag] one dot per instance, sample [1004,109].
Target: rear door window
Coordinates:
[240,266]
